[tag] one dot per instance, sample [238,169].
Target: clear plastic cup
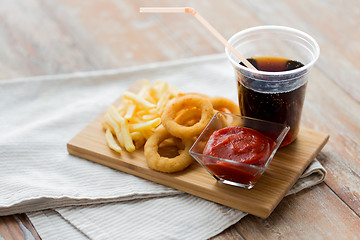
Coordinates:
[273,96]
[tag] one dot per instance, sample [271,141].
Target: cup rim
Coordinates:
[274,27]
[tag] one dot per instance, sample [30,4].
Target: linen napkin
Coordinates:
[174,217]
[40,115]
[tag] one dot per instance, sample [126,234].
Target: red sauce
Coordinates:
[242,145]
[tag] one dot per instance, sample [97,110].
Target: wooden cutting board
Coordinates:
[284,170]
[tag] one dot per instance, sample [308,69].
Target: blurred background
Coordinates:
[41,37]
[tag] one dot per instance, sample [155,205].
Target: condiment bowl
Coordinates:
[229,171]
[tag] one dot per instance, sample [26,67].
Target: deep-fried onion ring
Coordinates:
[223,104]
[165,164]
[183,102]
[193,93]
[188,117]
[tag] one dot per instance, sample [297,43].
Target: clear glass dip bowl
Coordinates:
[229,171]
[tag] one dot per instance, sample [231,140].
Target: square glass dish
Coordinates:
[233,172]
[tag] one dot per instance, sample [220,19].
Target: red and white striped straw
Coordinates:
[203,22]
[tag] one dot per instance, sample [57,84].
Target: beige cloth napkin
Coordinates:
[173,217]
[86,200]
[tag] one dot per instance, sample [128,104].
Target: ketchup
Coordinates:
[243,145]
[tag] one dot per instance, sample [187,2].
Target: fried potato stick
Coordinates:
[125,133]
[145,125]
[138,100]
[116,128]
[111,141]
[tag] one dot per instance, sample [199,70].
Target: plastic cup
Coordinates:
[273,96]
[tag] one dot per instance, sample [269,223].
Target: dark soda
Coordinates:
[275,106]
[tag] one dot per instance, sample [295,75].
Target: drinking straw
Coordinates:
[203,22]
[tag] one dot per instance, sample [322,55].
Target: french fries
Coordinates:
[136,119]
[111,141]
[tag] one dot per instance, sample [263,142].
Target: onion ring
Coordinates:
[193,93]
[188,117]
[223,104]
[187,101]
[166,164]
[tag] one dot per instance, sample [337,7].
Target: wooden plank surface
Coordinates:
[17,227]
[284,170]
[50,37]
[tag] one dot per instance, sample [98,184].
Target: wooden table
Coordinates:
[53,37]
